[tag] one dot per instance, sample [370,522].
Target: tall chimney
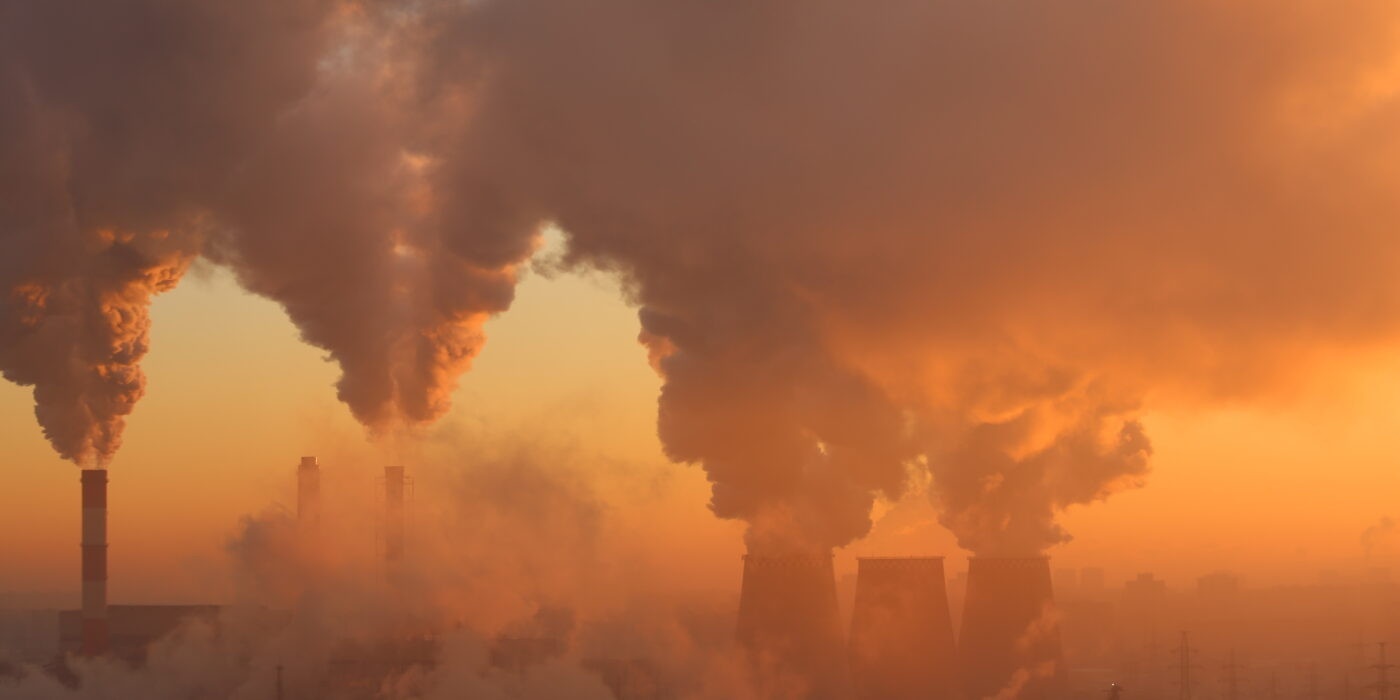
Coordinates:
[789,624]
[309,491]
[94,614]
[1010,641]
[393,515]
[901,632]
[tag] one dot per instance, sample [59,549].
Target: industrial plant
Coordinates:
[895,639]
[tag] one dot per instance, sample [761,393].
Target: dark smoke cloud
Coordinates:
[341,216]
[976,238]
[980,233]
[285,139]
[118,121]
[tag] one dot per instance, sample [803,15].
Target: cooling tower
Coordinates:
[94,613]
[394,482]
[309,490]
[901,632]
[1010,641]
[789,624]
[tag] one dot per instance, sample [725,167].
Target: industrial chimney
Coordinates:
[309,491]
[94,615]
[1010,641]
[394,483]
[901,632]
[789,624]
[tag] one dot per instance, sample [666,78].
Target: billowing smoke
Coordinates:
[343,216]
[976,236]
[286,139]
[117,122]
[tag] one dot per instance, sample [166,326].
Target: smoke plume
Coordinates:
[976,236]
[288,140]
[117,124]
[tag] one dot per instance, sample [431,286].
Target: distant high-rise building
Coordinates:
[1146,593]
[1218,590]
[1091,582]
[1066,583]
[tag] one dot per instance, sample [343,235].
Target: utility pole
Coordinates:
[1382,685]
[1183,666]
[279,681]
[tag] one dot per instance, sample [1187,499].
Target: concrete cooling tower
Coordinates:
[1010,641]
[789,624]
[902,644]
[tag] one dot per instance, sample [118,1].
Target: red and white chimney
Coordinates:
[94,561]
[309,491]
[394,483]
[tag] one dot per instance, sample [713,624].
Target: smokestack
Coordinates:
[789,624]
[901,632]
[94,561]
[309,491]
[394,482]
[1010,641]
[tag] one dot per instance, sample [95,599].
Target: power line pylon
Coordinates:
[1183,666]
[1231,678]
[1382,685]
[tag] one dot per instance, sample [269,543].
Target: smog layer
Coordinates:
[937,250]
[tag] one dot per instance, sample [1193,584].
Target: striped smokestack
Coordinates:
[902,644]
[789,625]
[1010,641]
[394,482]
[94,561]
[309,491]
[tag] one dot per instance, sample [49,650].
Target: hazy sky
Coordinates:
[1015,260]
[1277,491]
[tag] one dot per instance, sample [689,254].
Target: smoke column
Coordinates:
[116,122]
[968,237]
[287,140]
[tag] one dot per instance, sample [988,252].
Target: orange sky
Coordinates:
[1275,493]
